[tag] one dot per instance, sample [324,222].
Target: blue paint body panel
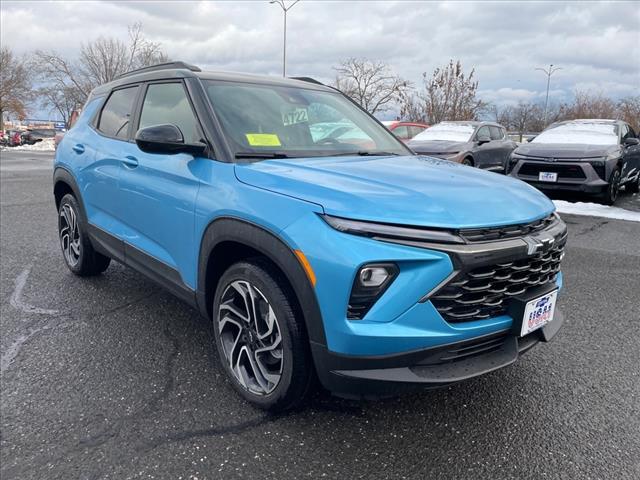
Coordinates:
[163,206]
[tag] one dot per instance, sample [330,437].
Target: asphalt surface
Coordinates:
[111,377]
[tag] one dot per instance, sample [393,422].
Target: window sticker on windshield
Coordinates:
[263,139]
[297,115]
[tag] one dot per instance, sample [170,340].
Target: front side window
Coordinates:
[295,122]
[116,114]
[483,132]
[401,132]
[454,132]
[167,103]
[593,133]
[496,133]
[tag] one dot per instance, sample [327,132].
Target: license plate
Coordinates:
[538,312]
[548,176]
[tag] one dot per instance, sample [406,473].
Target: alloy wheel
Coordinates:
[614,187]
[250,337]
[69,235]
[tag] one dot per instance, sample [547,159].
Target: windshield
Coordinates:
[585,133]
[263,120]
[453,132]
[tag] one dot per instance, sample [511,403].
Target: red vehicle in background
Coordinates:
[405,131]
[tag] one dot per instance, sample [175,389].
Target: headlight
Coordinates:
[385,231]
[370,283]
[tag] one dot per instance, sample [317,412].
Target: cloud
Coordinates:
[596,44]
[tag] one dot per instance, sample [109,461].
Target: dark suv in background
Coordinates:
[589,156]
[479,144]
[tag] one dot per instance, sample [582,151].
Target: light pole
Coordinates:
[548,73]
[285,9]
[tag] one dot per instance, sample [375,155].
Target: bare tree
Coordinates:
[15,85]
[588,104]
[372,84]
[629,111]
[67,83]
[449,94]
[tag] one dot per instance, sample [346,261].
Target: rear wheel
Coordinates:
[610,195]
[468,162]
[261,341]
[79,255]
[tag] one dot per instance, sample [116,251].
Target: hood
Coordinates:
[565,150]
[436,146]
[408,190]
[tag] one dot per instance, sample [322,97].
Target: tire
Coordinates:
[269,366]
[77,251]
[468,162]
[610,195]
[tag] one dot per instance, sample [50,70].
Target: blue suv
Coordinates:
[318,244]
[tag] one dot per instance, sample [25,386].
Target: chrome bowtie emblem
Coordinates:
[538,244]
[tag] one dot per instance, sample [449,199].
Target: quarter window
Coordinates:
[115,116]
[168,103]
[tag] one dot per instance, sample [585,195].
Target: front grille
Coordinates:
[473,235]
[484,292]
[563,171]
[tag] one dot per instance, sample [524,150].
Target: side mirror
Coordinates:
[483,139]
[630,141]
[167,139]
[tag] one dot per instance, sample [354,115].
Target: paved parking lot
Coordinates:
[112,377]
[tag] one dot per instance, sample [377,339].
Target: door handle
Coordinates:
[130,161]
[78,148]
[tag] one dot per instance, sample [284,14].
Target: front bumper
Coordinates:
[388,375]
[572,176]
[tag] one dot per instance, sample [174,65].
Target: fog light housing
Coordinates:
[370,283]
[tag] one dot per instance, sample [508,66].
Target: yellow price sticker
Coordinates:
[263,139]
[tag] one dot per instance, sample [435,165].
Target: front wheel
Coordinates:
[260,337]
[610,195]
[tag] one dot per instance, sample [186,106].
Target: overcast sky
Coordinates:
[596,44]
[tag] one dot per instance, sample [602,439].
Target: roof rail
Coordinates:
[160,66]
[308,79]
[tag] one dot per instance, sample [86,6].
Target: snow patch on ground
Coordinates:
[596,210]
[46,145]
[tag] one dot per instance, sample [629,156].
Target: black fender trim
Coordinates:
[226,229]
[61,174]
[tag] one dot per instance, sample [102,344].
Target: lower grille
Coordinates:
[484,292]
[563,171]
[466,350]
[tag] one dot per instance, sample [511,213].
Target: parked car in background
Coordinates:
[591,156]
[480,144]
[405,131]
[33,136]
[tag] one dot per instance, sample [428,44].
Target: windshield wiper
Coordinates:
[365,153]
[260,155]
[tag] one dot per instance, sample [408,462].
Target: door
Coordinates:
[107,143]
[483,153]
[503,147]
[159,192]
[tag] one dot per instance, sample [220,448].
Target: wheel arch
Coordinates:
[227,240]
[64,183]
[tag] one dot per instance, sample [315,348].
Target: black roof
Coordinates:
[173,70]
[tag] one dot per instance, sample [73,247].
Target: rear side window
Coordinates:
[115,116]
[168,103]
[496,133]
